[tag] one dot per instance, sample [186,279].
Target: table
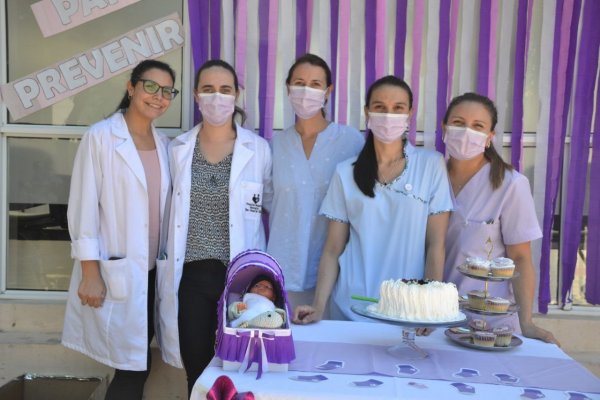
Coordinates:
[331,340]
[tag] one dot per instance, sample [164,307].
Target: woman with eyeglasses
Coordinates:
[304,158]
[387,209]
[120,189]
[221,176]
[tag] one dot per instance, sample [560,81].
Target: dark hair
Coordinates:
[311,59]
[264,277]
[136,75]
[225,65]
[498,166]
[365,167]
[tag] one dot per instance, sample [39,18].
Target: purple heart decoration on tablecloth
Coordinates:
[464,388]
[506,378]
[330,364]
[577,396]
[407,369]
[532,394]
[309,378]
[368,383]
[418,385]
[467,373]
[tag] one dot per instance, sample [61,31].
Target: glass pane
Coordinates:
[39,174]
[29,51]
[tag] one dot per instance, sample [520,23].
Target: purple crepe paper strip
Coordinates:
[483,63]
[592,277]
[491,87]
[267,53]
[215,29]
[370,42]
[380,38]
[454,10]
[442,78]
[241,20]
[301,27]
[419,15]
[519,82]
[587,66]
[342,87]
[563,30]
[400,39]
[199,33]
[333,35]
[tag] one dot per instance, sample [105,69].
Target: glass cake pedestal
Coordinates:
[408,348]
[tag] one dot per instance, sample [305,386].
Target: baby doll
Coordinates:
[257,308]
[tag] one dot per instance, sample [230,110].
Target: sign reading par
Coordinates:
[73,75]
[55,16]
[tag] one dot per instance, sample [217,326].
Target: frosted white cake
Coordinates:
[418,300]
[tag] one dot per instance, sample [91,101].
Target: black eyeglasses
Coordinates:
[152,87]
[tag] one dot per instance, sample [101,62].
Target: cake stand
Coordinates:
[408,348]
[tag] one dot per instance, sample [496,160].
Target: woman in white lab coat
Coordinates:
[120,189]
[221,176]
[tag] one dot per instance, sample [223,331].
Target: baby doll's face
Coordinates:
[264,288]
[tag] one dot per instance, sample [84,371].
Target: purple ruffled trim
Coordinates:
[280,350]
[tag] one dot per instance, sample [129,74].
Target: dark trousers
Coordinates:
[202,283]
[129,385]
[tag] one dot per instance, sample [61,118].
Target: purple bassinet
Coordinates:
[249,349]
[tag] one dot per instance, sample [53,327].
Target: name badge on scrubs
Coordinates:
[252,199]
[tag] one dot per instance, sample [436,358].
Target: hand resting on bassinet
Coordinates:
[255,311]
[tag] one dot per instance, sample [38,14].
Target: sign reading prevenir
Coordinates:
[73,75]
[55,16]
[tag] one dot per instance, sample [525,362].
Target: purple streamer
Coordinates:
[370,43]
[334,14]
[263,62]
[199,33]
[556,134]
[483,66]
[587,66]
[442,77]
[301,27]
[215,29]
[519,82]
[592,277]
[400,39]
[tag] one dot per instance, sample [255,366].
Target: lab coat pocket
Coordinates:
[116,277]
[252,193]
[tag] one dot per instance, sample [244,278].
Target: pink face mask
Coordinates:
[387,127]
[216,108]
[464,143]
[306,101]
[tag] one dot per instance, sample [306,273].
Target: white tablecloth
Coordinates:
[282,385]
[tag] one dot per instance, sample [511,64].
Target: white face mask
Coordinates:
[387,127]
[216,108]
[464,143]
[306,101]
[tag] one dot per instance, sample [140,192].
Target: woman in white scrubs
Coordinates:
[221,176]
[387,209]
[120,190]
[491,202]
[304,158]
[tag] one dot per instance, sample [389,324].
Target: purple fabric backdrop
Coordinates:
[370,43]
[565,33]
[442,77]
[215,29]
[400,38]
[199,33]
[301,27]
[483,65]
[587,66]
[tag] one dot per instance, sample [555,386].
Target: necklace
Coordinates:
[391,165]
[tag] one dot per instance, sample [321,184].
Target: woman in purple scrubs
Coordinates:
[493,204]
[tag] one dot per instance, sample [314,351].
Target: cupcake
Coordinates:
[482,338]
[477,299]
[502,267]
[503,336]
[496,304]
[478,325]
[478,266]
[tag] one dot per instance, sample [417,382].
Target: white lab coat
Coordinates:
[250,177]
[108,217]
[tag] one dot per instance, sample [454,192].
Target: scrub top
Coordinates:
[505,215]
[297,232]
[387,232]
